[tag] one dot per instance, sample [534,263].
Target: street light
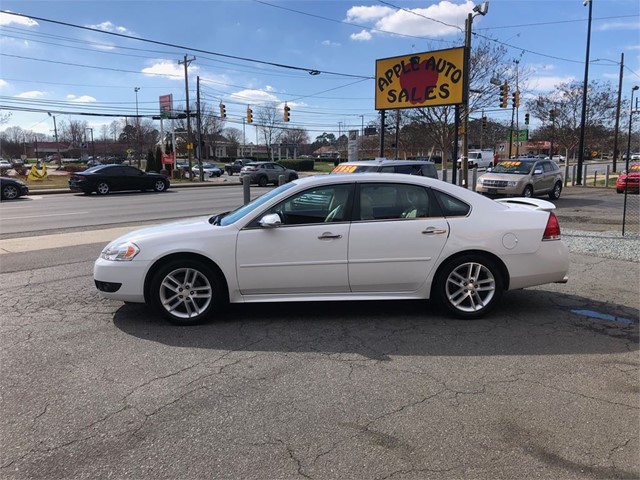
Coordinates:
[583,116]
[55,131]
[481,9]
[624,208]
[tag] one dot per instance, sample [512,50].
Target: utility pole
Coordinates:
[583,116]
[186,63]
[136,90]
[617,126]
[55,132]
[198,127]
[465,103]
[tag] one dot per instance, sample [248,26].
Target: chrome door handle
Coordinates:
[433,231]
[328,236]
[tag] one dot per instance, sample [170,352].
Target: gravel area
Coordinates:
[603,244]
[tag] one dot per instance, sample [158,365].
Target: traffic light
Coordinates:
[504,95]
[552,115]
[285,114]
[249,115]
[484,122]
[516,98]
[526,119]
[223,111]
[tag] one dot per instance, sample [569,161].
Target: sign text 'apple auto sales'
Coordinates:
[420,80]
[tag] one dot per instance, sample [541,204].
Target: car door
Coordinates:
[394,241]
[306,253]
[134,179]
[543,182]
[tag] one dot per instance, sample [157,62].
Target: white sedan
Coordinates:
[370,236]
[209,169]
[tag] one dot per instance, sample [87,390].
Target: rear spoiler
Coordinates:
[532,203]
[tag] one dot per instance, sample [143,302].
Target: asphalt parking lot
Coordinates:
[547,386]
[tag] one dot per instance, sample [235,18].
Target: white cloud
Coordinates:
[635,25]
[255,96]
[443,18]
[110,27]
[364,35]
[169,69]
[82,99]
[545,84]
[329,43]
[6,19]
[368,14]
[3,83]
[31,94]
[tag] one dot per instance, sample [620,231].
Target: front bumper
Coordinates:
[129,275]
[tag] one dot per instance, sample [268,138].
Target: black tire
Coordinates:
[469,286]
[102,188]
[262,181]
[173,290]
[557,190]
[230,173]
[159,186]
[528,191]
[10,192]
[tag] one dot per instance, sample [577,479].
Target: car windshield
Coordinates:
[240,212]
[517,167]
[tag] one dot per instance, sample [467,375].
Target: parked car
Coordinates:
[209,169]
[236,165]
[556,158]
[264,173]
[522,177]
[409,167]
[5,164]
[103,179]
[12,188]
[629,180]
[340,237]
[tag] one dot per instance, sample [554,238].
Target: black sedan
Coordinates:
[12,188]
[103,179]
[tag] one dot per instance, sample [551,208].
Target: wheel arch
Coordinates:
[184,256]
[504,272]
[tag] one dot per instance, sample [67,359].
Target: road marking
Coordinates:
[58,240]
[47,215]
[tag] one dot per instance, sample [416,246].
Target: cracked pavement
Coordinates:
[93,388]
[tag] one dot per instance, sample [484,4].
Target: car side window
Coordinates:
[392,201]
[324,204]
[451,206]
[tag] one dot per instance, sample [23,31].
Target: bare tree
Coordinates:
[566,101]
[270,126]
[296,136]
[211,127]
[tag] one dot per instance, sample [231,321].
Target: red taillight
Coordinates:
[552,232]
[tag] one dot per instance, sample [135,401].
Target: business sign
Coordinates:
[166,105]
[520,135]
[428,79]
[352,146]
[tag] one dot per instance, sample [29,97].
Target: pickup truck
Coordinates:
[236,165]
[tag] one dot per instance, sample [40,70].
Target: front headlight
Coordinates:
[512,184]
[120,252]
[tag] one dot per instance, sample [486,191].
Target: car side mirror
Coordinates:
[489,169]
[270,220]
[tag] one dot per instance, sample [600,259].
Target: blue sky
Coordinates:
[59,68]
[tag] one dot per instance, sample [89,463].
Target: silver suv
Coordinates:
[264,173]
[522,178]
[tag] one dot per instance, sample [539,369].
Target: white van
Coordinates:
[479,159]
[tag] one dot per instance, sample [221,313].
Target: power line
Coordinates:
[311,71]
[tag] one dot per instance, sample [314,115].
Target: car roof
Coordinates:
[388,162]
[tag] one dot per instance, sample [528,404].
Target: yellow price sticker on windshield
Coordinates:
[634,167]
[510,164]
[344,169]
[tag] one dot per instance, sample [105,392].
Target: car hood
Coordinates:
[511,177]
[167,231]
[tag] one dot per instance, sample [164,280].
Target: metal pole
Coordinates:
[199,147]
[382,131]
[186,63]
[465,102]
[583,117]
[456,126]
[626,165]
[136,89]
[616,128]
